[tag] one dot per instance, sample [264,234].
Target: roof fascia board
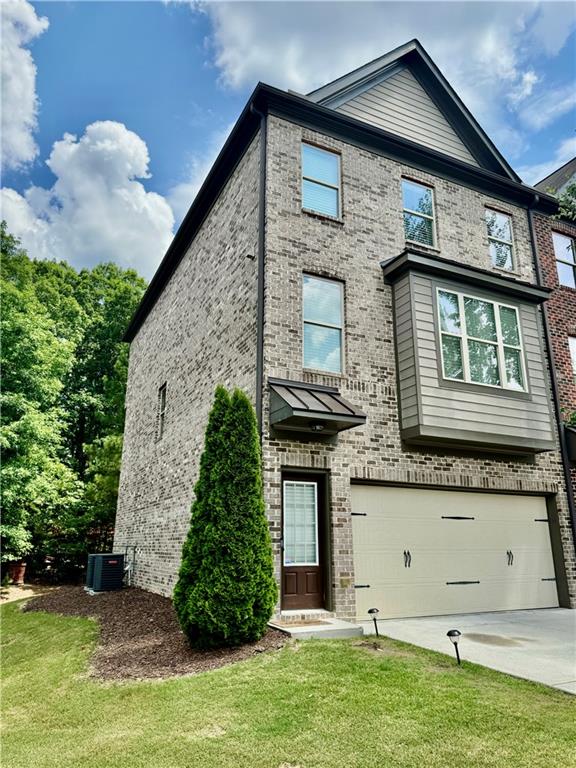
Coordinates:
[230,155]
[415,261]
[358,88]
[325,92]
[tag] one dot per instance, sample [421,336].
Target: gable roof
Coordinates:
[559,178]
[462,134]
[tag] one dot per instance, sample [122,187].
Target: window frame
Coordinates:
[311,179]
[432,218]
[511,242]
[285,483]
[572,350]
[161,412]
[571,264]
[340,327]
[465,337]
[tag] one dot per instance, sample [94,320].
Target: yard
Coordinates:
[326,704]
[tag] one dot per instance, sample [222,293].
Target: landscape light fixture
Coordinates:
[374,612]
[454,635]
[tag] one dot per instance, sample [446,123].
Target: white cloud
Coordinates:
[545,108]
[97,210]
[182,195]
[20,26]
[486,50]
[565,151]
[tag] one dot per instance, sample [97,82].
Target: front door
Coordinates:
[302,577]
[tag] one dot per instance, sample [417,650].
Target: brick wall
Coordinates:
[371,230]
[201,332]
[561,312]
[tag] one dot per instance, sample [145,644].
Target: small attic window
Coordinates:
[418,210]
[320,181]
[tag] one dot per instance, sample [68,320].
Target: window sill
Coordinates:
[431,248]
[503,271]
[324,217]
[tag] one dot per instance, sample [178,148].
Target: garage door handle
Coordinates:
[407,558]
[510,555]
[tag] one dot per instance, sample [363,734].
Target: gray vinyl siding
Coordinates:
[402,106]
[432,409]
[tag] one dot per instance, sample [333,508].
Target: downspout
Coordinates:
[553,377]
[261,253]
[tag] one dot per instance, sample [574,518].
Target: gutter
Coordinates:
[554,380]
[261,256]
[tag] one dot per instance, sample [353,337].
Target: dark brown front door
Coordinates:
[302,566]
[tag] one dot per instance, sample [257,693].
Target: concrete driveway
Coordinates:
[537,645]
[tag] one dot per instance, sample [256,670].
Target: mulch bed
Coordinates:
[139,634]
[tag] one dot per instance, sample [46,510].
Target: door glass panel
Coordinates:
[300,523]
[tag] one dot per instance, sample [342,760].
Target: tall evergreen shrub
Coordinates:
[226,589]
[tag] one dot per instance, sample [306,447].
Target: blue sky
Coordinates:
[115,110]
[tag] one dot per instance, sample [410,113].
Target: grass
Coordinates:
[318,704]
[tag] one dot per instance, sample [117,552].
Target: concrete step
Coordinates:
[327,628]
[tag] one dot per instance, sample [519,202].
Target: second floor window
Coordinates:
[480,341]
[323,305]
[572,345]
[565,252]
[161,411]
[320,181]
[499,226]
[418,210]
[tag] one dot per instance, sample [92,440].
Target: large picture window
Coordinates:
[480,341]
[499,226]
[323,304]
[565,252]
[320,181]
[418,210]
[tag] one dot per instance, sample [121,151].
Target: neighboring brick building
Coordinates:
[360,262]
[556,242]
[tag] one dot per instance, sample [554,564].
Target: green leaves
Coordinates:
[226,589]
[64,374]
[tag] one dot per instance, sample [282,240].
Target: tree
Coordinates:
[567,202]
[36,484]
[226,590]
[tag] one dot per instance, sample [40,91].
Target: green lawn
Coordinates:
[319,703]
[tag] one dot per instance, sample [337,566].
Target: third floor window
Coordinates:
[565,252]
[499,226]
[320,181]
[418,209]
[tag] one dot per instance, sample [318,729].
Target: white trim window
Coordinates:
[418,212]
[323,314]
[320,181]
[300,523]
[161,419]
[480,341]
[565,252]
[500,239]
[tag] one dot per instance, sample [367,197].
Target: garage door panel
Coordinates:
[505,547]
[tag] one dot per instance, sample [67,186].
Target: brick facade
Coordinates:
[202,331]
[561,312]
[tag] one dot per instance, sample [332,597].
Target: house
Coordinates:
[360,261]
[556,248]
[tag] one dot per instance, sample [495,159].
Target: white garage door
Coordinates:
[419,552]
